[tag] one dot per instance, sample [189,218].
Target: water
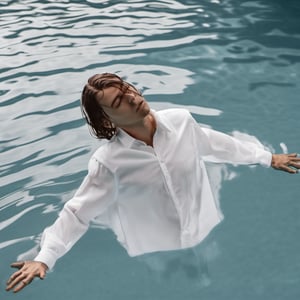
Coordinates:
[234,64]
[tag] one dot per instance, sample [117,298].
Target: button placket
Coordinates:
[169,185]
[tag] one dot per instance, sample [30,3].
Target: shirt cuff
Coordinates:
[264,157]
[47,258]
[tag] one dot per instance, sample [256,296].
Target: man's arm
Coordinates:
[91,200]
[218,147]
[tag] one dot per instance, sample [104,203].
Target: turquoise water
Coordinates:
[234,64]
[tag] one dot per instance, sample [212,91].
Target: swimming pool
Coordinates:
[234,64]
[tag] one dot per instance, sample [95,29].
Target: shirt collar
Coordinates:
[127,140]
[161,123]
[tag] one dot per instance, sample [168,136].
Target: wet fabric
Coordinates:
[154,198]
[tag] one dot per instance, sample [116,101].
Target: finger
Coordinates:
[295,160]
[287,169]
[293,154]
[23,283]
[15,282]
[18,264]
[295,165]
[21,286]
[13,276]
[43,274]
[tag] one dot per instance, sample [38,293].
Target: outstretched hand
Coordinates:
[27,271]
[286,162]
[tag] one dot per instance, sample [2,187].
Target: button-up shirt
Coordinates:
[153,198]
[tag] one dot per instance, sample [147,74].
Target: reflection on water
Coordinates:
[233,64]
[189,264]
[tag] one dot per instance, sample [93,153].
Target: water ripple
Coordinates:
[49,48]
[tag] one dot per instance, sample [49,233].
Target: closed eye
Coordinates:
[116,102]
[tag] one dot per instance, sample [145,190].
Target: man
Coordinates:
[148,183]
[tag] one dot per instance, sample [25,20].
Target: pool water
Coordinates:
[233,64]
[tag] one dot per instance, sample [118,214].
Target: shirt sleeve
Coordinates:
[218,147]
[91,199]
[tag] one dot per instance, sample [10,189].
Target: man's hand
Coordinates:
[27,271]
[286,162]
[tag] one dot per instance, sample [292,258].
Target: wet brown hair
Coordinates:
[99,122]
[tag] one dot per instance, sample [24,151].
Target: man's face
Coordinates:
[124,106]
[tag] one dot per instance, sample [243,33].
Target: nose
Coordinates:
[131,97]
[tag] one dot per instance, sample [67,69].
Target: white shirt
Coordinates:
[153,198]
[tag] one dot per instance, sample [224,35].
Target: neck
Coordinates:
[143,131]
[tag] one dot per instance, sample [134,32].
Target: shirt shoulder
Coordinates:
[98,158]
[174,113]
[176,117]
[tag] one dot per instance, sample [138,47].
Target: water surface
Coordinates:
[234,64]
